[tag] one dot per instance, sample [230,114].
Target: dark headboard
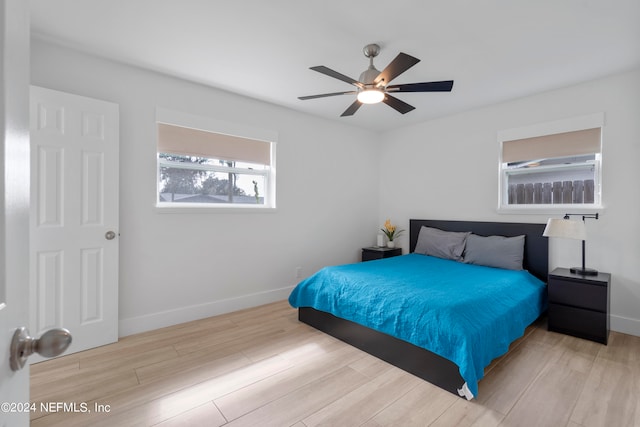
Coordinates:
[536,247]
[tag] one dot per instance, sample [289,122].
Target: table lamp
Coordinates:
[571,229]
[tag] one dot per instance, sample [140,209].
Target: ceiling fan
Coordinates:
[373,85]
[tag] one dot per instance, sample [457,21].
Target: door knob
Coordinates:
[52,343]
[110,235]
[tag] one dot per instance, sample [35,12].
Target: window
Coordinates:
[202,168]
[554,165]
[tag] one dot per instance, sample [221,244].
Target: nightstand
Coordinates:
[375,252]
[579,305]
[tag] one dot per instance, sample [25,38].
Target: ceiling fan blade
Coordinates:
[352,109]
[443,86]
[399,65]
[398,105]
[336,75]
[324,95]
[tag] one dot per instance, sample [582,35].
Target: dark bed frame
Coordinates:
[416,360]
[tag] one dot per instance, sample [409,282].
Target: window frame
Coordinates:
[207,124]
[590,121]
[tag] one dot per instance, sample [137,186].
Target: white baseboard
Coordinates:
[176,316]
[134,325]
[625,325]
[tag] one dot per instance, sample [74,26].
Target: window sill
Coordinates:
[559,209]
[190,208]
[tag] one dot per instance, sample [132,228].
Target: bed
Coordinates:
[341,301]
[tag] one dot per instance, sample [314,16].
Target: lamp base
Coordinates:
[583,271]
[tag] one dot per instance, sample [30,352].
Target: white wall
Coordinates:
[178,267]
[447,169]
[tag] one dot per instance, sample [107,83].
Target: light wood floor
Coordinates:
[261,367]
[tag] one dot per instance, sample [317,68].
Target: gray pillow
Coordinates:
[441,244]
[495,251]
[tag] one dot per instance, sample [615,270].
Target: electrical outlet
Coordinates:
[298,272]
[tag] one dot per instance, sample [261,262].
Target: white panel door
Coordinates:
[14,204]
[74,217]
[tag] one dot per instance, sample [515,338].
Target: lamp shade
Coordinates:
[565,228]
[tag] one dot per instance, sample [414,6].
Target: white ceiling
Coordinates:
[494,50]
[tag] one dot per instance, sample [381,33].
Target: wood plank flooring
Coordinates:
[261,367]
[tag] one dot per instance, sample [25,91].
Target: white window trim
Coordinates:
[541,129]
[179,118]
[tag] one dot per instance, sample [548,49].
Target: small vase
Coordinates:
[391,244]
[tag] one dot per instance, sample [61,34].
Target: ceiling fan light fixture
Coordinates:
[370,96]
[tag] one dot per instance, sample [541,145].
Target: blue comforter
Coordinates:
[466,313]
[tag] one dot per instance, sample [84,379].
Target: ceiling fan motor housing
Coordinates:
[369,75]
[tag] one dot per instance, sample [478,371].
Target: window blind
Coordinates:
[564,144]
[179,140]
